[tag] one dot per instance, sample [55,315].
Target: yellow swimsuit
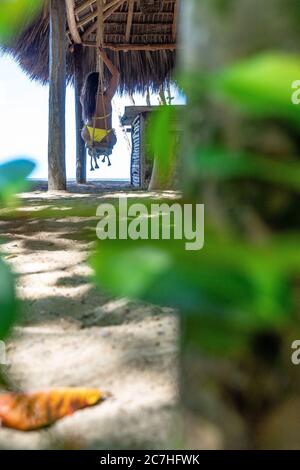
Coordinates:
[96,134]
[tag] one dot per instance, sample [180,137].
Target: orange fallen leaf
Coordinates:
[28,411]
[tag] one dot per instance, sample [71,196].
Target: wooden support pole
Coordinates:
[78,84]
[57,96]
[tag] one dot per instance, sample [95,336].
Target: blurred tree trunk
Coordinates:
[216,33]
[162,180]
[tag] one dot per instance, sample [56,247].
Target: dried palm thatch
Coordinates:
[151,6]
[140,37]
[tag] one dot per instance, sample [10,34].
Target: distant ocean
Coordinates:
[72,180]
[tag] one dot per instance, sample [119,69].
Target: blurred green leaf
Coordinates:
[216,336]
[161,136]
[233,288]
[134,270]
[220,164]
[8,303]
[14,15]
[239,287]
[13,178]
[4,382]
[262,85]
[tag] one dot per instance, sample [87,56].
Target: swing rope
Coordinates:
[100,66]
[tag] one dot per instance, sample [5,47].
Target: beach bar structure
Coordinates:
[59,47]
[143,170]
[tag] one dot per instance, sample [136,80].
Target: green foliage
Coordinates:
[232,285]
[8,303]
[12,179]
[224,7]
[161,126]
[237,288]
[261,85]
[214,163]
[14,15]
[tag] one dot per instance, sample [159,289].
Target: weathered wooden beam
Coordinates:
[161,17]
[134,47]
[70,5]
[142,26]
[83,6]
[80,145]
[57,96]
[91,29]
[108,10]
[129,20]
[89,3]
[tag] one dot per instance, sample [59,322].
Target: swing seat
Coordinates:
[103,148]
[96,152]
[99,149]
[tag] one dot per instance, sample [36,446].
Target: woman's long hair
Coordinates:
[88,96]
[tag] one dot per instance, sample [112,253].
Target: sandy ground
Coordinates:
[71,334]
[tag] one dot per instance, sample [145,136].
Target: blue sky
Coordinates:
[24,124]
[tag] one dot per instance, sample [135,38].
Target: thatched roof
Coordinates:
[147,27]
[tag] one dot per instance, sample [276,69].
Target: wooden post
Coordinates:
[78,84]
[57,96]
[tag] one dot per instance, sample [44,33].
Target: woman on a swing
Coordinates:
[97,110]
